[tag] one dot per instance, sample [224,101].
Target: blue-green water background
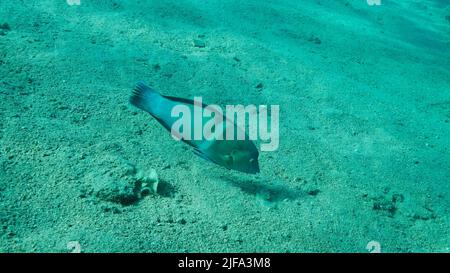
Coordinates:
[365,107]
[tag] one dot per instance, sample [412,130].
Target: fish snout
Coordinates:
[255,165]
[252,167]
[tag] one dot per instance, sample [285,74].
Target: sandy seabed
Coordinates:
[364,125]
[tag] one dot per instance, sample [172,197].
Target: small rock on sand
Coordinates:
[121,182]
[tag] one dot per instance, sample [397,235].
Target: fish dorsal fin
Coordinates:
[182,100]
[191,102]
[187,101]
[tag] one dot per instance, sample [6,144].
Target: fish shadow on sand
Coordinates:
[267,192]
[165,189]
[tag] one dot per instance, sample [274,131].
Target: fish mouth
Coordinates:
[254,169]
[257,166]
[251,171]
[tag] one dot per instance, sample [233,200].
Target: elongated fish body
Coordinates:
[240,155]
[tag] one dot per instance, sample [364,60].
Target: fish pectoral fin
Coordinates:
[229,160]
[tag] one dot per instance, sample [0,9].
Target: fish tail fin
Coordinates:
[144,97]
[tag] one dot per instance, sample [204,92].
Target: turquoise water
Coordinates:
[363,160]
